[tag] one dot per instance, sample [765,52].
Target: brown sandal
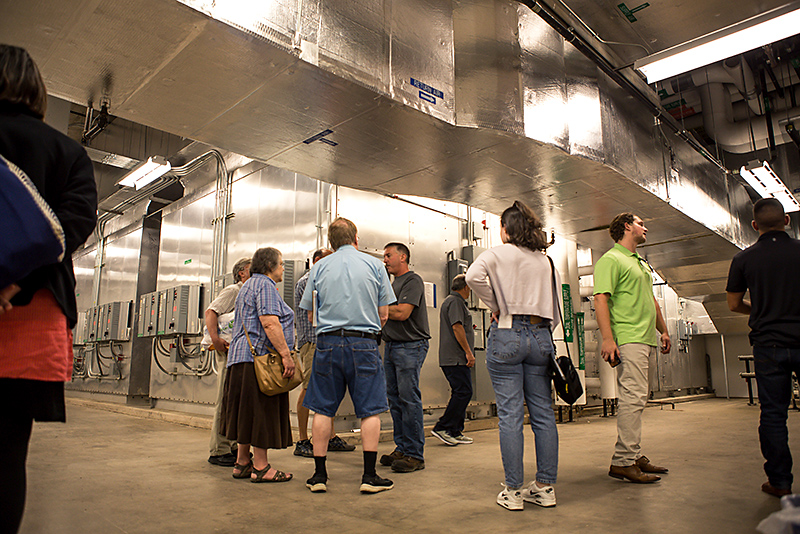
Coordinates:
[244,470]
[280,476]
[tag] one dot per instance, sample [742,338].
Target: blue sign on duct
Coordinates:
[427,92]
[428,98]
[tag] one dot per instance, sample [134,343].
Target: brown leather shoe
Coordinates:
[644,464]
[766,487]
[632,473]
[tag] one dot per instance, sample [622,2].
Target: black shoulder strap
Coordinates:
[556,300]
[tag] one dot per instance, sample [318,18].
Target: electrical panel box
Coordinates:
[479,325]
[454,268]
[471,252]
[115,321]
[101,321]
[92,320]
[79,333]
[148,315]
[182,310]
[161,313]
[140,317]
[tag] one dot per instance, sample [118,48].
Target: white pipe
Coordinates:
[735,136]
[592,382]
[743,79]
[725,366]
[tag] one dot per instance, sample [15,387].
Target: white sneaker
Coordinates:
[510,498]
[545,497]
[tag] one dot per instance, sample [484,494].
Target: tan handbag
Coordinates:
[269,371]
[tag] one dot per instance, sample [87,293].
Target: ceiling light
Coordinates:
[767,184]
[737,38]
[145,172]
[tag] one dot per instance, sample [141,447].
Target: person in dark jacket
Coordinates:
[37,312]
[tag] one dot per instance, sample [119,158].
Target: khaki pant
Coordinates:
[219,444]
[634,388]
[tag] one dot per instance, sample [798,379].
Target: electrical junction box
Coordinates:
[183,309]
[115,321]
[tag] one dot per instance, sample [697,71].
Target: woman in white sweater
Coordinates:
[515,281]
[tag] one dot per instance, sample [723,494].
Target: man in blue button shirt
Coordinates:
[351,293]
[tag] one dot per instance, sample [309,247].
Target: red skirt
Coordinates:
[35,341]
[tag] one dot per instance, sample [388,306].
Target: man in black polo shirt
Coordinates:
[770,269]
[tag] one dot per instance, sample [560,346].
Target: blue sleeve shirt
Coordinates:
[350,287]
[258,297]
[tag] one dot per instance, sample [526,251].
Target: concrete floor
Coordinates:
[106,472]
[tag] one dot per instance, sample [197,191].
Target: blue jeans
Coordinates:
[402,363]
[774,366]
[517,360]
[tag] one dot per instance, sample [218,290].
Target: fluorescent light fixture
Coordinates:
[146,172]
[767,184]
[749,34]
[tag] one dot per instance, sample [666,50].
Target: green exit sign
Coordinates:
[629,11]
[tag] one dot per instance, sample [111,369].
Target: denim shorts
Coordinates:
[342,363]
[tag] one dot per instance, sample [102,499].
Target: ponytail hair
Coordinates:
[523,227]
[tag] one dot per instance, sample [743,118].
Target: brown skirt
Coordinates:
[250,417]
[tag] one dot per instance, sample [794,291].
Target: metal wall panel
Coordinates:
[120,266]
[83,265]
[185,258]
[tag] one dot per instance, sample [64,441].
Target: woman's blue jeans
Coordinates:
[517,360]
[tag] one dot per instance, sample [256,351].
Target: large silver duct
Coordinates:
[474,101]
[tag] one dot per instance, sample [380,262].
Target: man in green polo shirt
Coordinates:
[628,315]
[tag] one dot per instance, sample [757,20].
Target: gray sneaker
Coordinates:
[461,439]
[445,436]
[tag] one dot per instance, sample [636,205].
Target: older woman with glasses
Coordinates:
[250,417]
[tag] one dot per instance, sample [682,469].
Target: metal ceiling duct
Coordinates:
[474,101]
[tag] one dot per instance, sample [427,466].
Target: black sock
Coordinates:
[369,462]
[319,466]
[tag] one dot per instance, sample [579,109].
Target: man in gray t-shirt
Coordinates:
[456,345]
[406,335]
